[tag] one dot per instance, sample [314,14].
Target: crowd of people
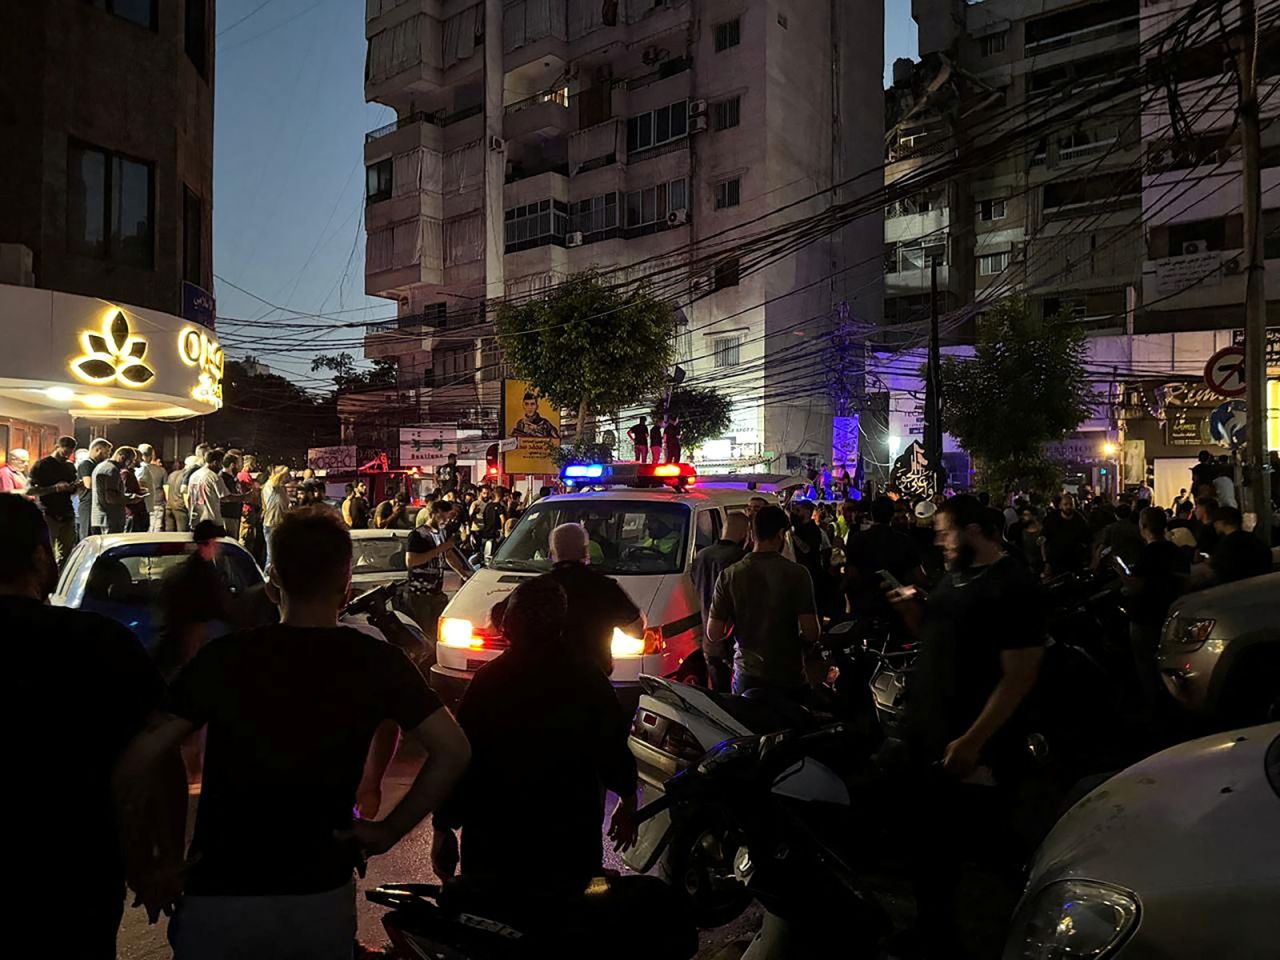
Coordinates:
[293,710]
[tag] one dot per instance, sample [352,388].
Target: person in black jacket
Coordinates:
[539,691]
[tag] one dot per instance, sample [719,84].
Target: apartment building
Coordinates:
[537,138]
[106,115]
[1128,217]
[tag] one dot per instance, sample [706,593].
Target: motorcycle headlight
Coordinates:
[1072,920]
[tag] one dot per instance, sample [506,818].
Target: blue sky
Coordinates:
[288,177]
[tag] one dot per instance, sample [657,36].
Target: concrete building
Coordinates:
[106,113]
[537,138]
[1122,217]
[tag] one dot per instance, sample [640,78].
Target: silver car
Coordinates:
[1220,651]
[1176,858]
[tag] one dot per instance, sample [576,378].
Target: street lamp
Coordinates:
[1109,449]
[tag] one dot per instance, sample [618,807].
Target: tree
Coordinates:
[703,412]
[347,377]
[268,415]
[1025,386]
[589,347]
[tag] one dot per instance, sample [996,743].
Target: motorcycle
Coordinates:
[781,816]
[470,919]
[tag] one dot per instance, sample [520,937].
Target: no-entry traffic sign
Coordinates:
[1224,373]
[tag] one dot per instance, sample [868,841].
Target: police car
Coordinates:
[646,523]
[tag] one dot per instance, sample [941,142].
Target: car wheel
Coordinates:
[1253,695]
[699,866]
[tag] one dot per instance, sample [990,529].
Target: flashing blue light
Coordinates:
[1103,472]
[584,471]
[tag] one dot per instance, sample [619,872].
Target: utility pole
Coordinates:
[933,385]
[1255,301]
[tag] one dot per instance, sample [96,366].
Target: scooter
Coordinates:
[782,816]
[469,919]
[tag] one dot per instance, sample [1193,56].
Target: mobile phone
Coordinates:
[890,579]
[1124,567]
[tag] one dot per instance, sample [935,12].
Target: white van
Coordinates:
[643,535]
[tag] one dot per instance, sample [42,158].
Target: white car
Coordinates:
[644,533]
[1176,857]
[118,575]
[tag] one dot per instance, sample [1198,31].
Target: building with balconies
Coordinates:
[538,138]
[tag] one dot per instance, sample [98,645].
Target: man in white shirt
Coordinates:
[206,490]
[151,475]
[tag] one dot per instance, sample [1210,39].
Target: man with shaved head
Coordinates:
[597,605]
[725,552]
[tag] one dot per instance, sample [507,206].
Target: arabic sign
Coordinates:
[1176,274]
[332,459]
[427,446]
[1273,346]
[913,474]
[1186,428]
[198,305]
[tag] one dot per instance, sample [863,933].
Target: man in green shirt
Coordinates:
[766,603]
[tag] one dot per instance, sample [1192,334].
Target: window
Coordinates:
[536,224]
[110,206]
[1197,236]
[623,529]
[726,351]
[726,274]
[707,529]
[195,28]
[192,237]
[725,113]
[989,210]
[378,181]
[728,193]
[657,127]
[652,205]
[994,43]
[595,215]
[728,34]
[990,264]
[452,365]
[491,365]
[918,256]
[141,12]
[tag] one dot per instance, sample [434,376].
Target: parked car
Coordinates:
[118,576]
[378,559]
[1220,651]
[1176,857]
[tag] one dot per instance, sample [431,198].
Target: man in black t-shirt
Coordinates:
[655,442]
[1157,577]
[291,710]
[639,437]
[69,755]
[539,691]
[597,605]
[879,547]
[447,475]
[489,517]
[1238,554]
[1067,539]
[983,643]
[53,480]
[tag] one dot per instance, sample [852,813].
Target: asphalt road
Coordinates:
[409,861]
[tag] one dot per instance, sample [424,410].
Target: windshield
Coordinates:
[377,554]
[627,536]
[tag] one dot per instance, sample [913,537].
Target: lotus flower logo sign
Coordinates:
[113,356]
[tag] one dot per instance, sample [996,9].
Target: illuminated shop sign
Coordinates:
[115,355]
[201,351]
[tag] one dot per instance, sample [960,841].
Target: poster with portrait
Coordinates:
[534,423]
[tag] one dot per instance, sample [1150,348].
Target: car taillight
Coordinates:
[624,645]
[462,634]
[682,744]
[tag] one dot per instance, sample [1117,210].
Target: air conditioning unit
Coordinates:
[1192,247]
[677,217]
[573,239]
[697,124]
[1233,266]
[496,143]
[697,108]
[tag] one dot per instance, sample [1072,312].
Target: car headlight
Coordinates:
[457,632]
[1187,634]
[1072,920]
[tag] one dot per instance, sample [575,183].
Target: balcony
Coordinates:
[917,280]
[544,115]
[598,146]
[404,333]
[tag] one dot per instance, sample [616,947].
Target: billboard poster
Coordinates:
[534,423]
[427,446]
[332,459]
[844,443]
